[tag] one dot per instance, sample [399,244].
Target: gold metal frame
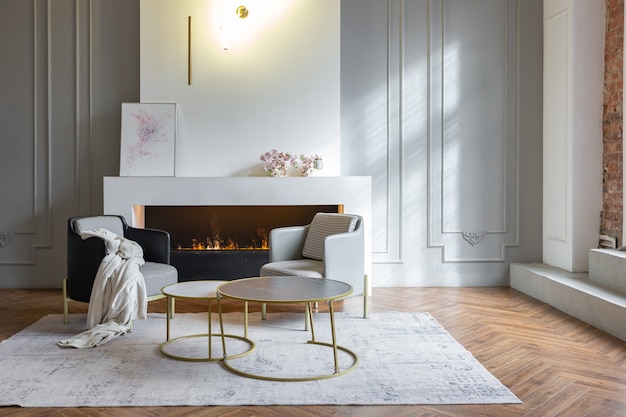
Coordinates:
[188,50]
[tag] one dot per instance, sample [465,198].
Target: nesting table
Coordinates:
[200,290]
[287,290]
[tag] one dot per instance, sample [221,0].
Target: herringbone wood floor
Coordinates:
[557,365]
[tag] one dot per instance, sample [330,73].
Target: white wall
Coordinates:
[277,86]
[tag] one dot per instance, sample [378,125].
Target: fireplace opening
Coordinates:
[225,242]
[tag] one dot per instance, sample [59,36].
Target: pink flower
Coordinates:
[277,163]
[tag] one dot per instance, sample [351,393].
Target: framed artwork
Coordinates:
[148,142]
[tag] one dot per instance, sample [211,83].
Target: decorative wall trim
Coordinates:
[473,166]
[5,239]
[394,174]
[387,248]
[36,229]
[42,217]
[473,238]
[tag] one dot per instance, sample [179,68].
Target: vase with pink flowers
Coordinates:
[277,163]
[310,165]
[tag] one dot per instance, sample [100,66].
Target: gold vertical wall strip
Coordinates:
[189,50]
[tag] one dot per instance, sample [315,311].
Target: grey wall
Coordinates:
[66,67]
[441,105]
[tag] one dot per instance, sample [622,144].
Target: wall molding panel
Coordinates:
[473,137]
[26,225]
[450,131]
[47,111]
[389,249]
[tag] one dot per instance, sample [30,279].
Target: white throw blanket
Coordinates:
[118,295]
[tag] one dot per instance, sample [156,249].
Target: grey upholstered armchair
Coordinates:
[84,257]
[331,246]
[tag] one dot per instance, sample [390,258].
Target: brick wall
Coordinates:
[612,212]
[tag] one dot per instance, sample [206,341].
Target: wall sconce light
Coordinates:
[242,12]
[228,25]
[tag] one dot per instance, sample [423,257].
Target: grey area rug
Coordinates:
[404,358]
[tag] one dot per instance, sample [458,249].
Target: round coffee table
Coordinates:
[200,290]
[289,290]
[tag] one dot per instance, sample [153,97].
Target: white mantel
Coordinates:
[127,196]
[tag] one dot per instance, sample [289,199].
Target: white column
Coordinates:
[572,131]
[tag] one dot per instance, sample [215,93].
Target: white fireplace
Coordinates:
[128,196]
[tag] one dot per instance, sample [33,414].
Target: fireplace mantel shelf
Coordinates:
[122,193]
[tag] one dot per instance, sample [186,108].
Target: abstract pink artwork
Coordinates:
[148,139]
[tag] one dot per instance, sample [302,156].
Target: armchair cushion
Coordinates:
[157,276]
[323,225]
[309,268]
[111,223]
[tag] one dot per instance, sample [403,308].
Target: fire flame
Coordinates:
[215,242]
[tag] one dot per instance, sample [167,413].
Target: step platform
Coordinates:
[597,297]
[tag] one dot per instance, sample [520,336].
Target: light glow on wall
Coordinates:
[276,87]
[240,33]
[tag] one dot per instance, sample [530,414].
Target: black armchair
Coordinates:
[84,257]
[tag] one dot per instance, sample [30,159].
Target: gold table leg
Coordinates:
[309,320]
[219,312]
[334,335]
[245,319]
[209,329]
[167,320]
